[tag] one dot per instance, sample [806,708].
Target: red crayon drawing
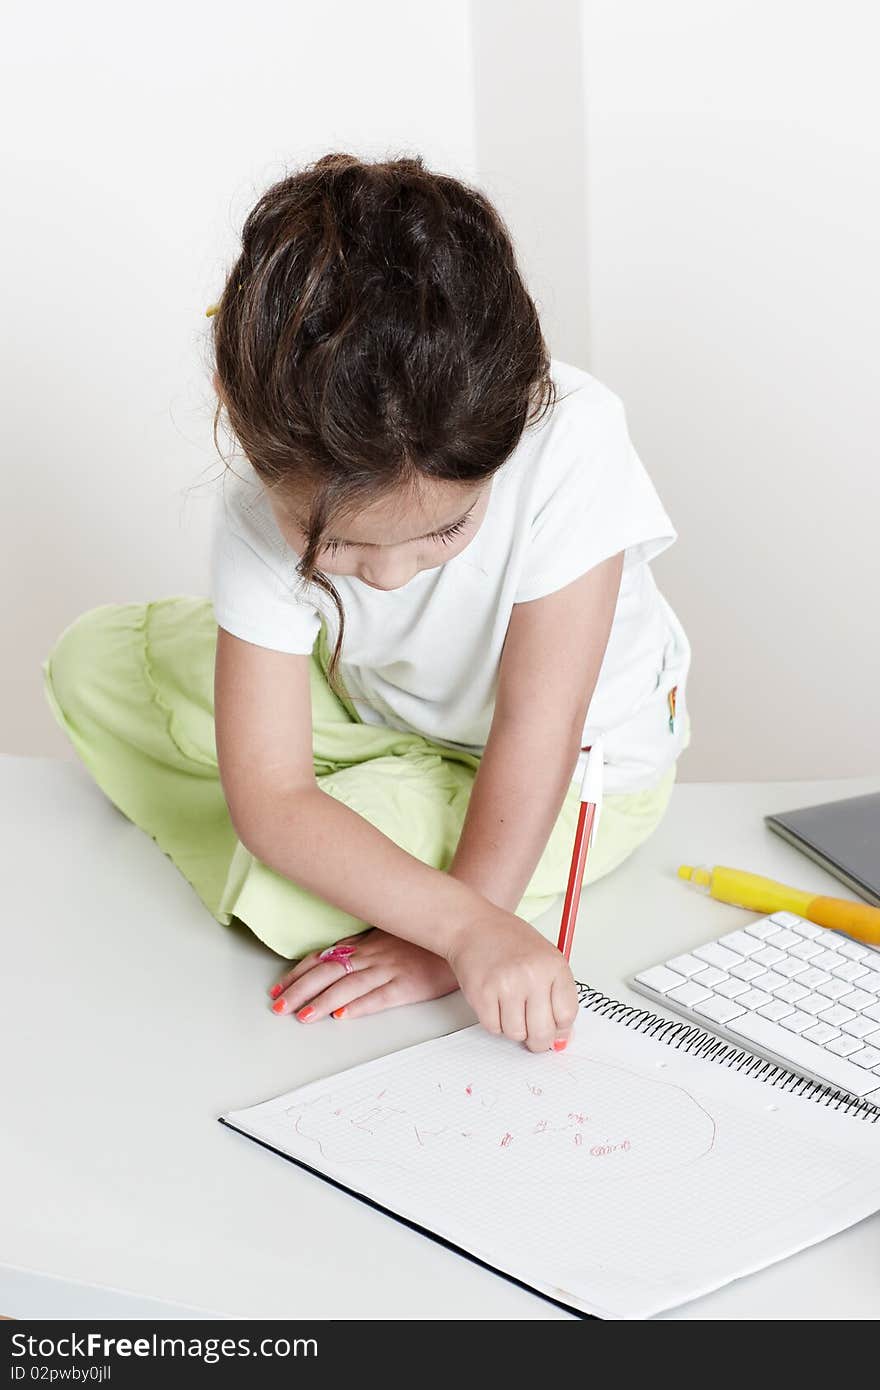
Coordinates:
[578,1138]
[536,1090]
[601,1150]
[469,1090]
[505,1141]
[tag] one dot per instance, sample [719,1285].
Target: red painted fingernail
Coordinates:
[279,1006]
[305,1014]
[274,991]
[338,1013]
[560,1045]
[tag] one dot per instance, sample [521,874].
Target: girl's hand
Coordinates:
[517,983]
[385,971]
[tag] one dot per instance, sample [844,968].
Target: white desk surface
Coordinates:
[131,1019]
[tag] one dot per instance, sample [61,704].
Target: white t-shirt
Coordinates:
[425,658]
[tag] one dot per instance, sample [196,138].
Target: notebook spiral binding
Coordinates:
[693,1039]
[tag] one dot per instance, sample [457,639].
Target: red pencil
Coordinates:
[588,824]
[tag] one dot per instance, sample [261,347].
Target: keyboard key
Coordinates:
[685,965]
[822,1033]
[746,971]
[805,950]
[843,1045]
[713,954]
[829,960]
[768,955]
[719,1010]
[791,992]
[785,919]
[871,981]
[868,1057]
[872,1011]
[754,999]
[769,981]
[836,1015]
[854,952]
[789,967]
[804,1056]
[741,943]
[860,1026]
[813,978]
[833,989]
[808,930]
[783,939]
[851,970]
[797,1022]
[688,993]
[660,978]
[710,977]
[777,1008]
[813,1004]
[858,999]
[762,929]
[731,989]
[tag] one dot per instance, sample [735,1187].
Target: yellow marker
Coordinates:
[766,895]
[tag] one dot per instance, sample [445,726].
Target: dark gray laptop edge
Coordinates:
[786,825]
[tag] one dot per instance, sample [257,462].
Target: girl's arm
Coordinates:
[549,667]
[263,724]
[516,981]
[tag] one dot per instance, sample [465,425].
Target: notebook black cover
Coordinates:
[842,836]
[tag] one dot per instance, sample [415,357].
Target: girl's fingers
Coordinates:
[384,997]
[488,1011]
[306,987]
[564,1002]
[513,1018]
[342,994]
[308,963]
[540,1023]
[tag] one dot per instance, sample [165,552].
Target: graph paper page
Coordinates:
[621,1176]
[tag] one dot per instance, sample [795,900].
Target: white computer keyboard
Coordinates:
[802,996]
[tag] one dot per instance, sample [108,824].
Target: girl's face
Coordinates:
[386,544]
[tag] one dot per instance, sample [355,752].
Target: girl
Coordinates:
[431,590]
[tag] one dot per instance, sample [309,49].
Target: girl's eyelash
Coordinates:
[447,535]
[443,536]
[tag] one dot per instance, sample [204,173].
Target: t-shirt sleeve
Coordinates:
[255,590]
[592,499]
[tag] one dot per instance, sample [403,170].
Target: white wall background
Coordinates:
[693,192]
[733,163]
[131,154]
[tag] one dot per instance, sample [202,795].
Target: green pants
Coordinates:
[132,686]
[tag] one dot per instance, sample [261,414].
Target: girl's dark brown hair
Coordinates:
[375,330]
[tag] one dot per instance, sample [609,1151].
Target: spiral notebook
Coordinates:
[647,1164]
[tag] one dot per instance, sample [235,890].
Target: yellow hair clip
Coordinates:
[211,309]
